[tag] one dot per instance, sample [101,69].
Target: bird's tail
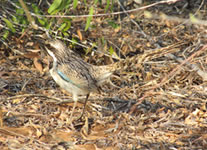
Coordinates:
[102,73]
[123,64]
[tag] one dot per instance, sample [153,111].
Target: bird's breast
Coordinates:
[69,87]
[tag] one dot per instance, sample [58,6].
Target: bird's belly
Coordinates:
[69,87]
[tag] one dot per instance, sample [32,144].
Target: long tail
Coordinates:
[103,73]
[122,64]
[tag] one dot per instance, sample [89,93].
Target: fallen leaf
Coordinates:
[79,34]
[31,55]
[37,64]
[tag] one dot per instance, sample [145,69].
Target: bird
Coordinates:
[75,75]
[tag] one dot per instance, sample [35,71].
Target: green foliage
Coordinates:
[75,3]
[6,34]
[43,21]
[54,7]
[89,19]
[74,41]
[111,50]
[20,18]
[112,5]
[65,26]
[9,25]
[113,53]
[95,2]
[113,24]
[58,5]
[107,5]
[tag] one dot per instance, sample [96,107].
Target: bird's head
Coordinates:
[57,49]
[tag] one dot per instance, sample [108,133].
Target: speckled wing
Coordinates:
[77,74]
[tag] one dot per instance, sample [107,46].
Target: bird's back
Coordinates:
[79,73]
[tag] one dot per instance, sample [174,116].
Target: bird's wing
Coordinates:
[77,75]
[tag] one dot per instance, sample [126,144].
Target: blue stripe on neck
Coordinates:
[64,77]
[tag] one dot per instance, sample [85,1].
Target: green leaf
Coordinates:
[24,21]
[65,26]
[65,34]
[112,5]
[48,25]
[42,21]
[75,3]
[111,50]
[54,6]
[65,4]
[74,41]
[113,24]
[89,18]
[95,2]
[14,19]
[62,27]
[6,34]
[20,16]
[113,53]
[9,25]
[20,11]
[107,6]
[35,9]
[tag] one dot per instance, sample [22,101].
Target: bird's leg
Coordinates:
[75,99]
[84,107]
